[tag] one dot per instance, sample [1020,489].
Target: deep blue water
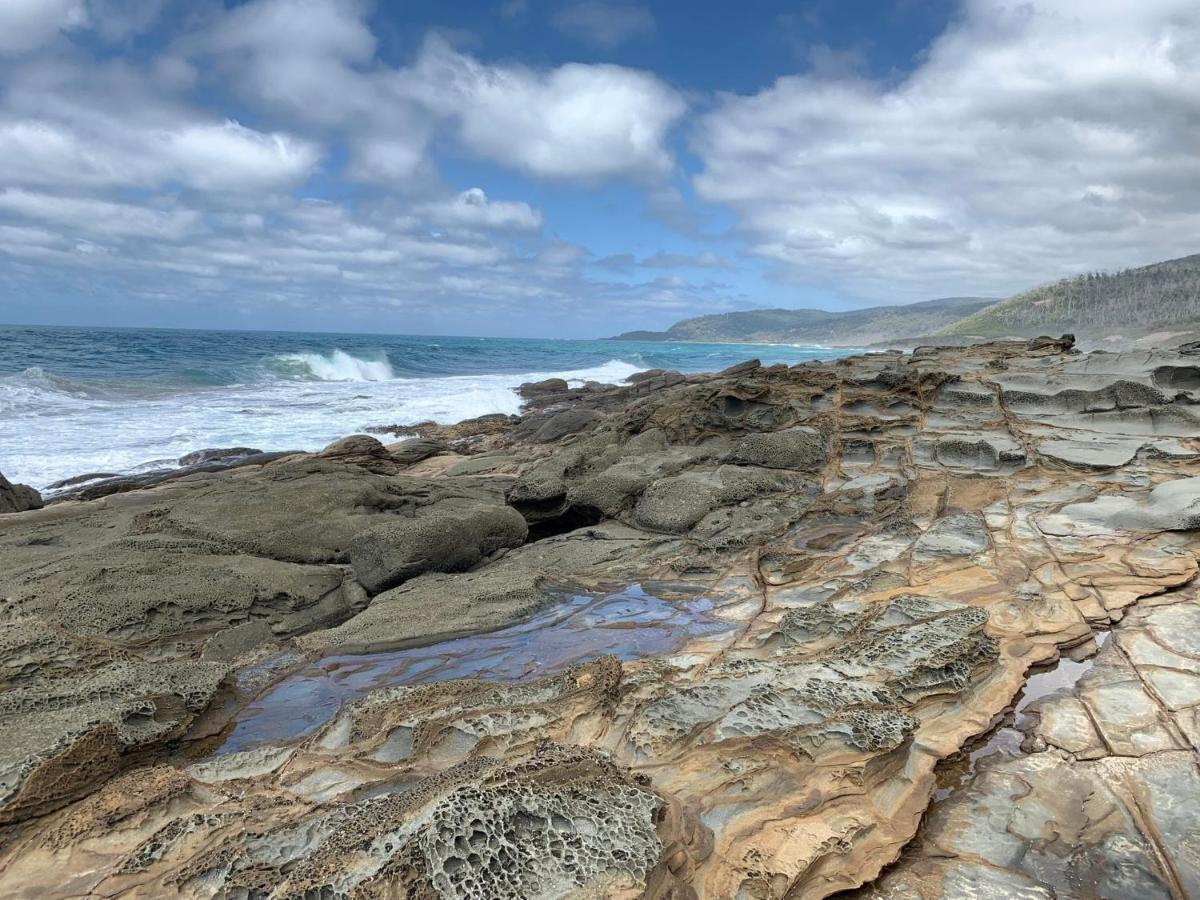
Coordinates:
[75,400]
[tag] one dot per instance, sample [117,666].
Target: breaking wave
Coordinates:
[335,366]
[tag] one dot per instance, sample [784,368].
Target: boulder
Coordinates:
[416,449]
[559,425]
[674,505]
[389,554]
[742,368]
[533,389]
[793,448]
[16,498]
[223,454]
[364,451]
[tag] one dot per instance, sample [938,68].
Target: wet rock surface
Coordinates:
[915,626]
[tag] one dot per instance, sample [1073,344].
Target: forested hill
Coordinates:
[854,328]
[1096,305]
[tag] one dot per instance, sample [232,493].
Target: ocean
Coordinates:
[123,400]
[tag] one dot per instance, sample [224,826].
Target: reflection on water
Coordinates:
[629,624]
[1008,736]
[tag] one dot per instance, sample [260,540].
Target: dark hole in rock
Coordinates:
[569,519]
[1183,378]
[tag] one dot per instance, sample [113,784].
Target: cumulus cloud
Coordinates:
[1036,138]
[103,218]
[604,24]
[28,24]
[577,121]
[315,59]
[473,209]
[205,155]
[128,170]
[113,125]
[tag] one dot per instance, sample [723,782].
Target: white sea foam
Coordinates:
[336,366]
[54,431]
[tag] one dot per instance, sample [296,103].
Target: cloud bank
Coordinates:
[273,155]
[1036,139]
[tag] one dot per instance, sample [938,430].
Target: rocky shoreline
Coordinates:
[805,600]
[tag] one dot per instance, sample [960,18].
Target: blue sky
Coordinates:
[579,167]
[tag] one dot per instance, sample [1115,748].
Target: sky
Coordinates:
[577,168]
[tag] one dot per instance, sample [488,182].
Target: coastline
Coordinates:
[647,617]
[129,401]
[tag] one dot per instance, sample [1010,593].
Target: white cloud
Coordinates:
[229,156]
[315,60]
[473,209]
[574,122]
[73,121]
[604,24]
[100,217]
[1035,139]
[129,173]
[28,24]
[204,155]
[299,56]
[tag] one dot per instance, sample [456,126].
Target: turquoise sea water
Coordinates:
[76,400]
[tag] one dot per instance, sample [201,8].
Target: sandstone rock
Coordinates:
[742,368]
[674,505]
[416,449]
[847,627]
[547,428]
[964,535]
[1171,506]
[388,554]
[362,450]
[793,448]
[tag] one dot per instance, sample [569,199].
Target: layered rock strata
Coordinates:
[894,546]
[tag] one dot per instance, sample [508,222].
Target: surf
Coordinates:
[337,365]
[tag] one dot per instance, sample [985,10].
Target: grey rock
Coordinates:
[417,449]
[364,451]
[742,368]
[219,454]
[675,504]
[15,498]
[793,448]
[952,537]
[1171,506]
[389,554]
[532,389]
[231,643]
[561,424]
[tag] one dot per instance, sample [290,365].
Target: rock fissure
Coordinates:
[875,557]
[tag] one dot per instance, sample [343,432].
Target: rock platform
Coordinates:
[889,554]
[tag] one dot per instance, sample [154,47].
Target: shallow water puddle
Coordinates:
[628,624]
[1008,735]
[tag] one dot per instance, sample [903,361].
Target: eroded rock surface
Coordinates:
[888,549]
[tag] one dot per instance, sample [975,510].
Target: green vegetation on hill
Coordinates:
[1095,305]
[855,328]
[1098,307]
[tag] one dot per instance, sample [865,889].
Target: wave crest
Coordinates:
[35,388]
[335,366]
